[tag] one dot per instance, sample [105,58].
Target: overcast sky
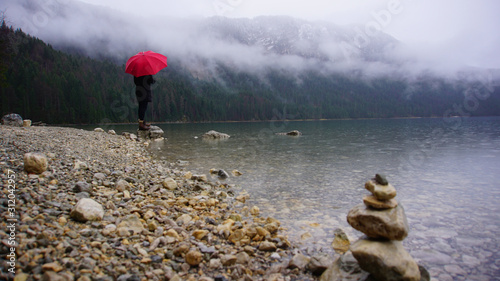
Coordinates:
[458,29]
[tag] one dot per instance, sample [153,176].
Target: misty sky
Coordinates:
[441,34]
[445,29]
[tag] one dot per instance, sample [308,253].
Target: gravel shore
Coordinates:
[160,222]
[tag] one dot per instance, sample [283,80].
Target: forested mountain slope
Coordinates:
[44,84]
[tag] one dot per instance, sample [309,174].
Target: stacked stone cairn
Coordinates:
[383,220]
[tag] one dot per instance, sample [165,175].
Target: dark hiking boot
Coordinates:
[143,126]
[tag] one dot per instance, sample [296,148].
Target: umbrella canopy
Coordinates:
[145,63]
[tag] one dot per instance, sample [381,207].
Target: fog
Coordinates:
[406,37]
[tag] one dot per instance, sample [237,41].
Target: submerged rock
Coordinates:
[340,242]
[220,173]
[215,135]
[155,132]
[345,267]
[291,133]
[236,173]
[299,261]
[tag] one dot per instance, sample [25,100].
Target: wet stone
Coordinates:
[373,202]
[228,260]
[299,261]
[87,210]
[156,259]
[380,179]
[340,242]
[99,176]
[390,224]
[82,186]
[386,260]
[267,246]
[122,185]
[35,163]
[194,258]
[319,263]
[381,192]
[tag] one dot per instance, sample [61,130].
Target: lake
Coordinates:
[446,172]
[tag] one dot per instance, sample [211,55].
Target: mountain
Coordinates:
[283,35]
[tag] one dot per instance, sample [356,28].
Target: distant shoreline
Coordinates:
[268,121]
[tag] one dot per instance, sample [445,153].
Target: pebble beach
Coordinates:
[149,219]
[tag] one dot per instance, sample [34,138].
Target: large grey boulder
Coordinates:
[385,260]
[12,119]
[153,133]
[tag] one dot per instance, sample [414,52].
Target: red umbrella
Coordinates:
[145,63]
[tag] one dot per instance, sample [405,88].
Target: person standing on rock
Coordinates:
[143,66]
[144,96]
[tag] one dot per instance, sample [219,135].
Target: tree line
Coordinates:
[55,87]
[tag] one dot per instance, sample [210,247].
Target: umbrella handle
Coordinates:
[151,105]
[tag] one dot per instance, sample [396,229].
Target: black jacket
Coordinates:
[143,87]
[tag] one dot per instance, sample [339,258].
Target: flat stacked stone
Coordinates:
[388,224]
[384,222]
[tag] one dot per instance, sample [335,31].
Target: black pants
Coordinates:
[143,105]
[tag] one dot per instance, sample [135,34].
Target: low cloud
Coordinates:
[103,31]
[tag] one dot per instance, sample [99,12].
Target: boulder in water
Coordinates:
[215,135]
[291,133]
[153,133]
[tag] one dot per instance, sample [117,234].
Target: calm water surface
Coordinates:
[447,175]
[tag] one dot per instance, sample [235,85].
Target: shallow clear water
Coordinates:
[447,175]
